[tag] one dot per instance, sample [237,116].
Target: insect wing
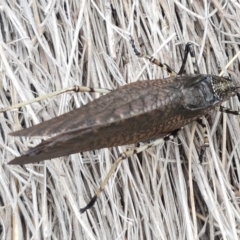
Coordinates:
[125,102]
[135,112]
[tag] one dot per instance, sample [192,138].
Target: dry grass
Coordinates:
[162,194]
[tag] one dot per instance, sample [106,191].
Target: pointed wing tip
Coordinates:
[20,161]
[21,132]
[29,132]
[13,134]
[25,159]
[13,162]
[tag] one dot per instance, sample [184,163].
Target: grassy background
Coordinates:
[163,193]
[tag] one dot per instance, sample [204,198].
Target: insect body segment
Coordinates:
[134,113]
[205,138]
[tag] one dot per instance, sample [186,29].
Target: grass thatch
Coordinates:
[164,193]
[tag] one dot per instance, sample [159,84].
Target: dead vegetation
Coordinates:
[163,193]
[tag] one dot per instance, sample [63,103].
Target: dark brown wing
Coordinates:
[136,112]
[127,101]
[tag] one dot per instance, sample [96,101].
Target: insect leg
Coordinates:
[152,59]
[189,49]
[238,95]
[128,153]
[53,94]
[205,139]
[228,110]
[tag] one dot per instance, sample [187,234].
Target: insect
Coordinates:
[137,112]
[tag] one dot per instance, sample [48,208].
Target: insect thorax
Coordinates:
[203,91]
